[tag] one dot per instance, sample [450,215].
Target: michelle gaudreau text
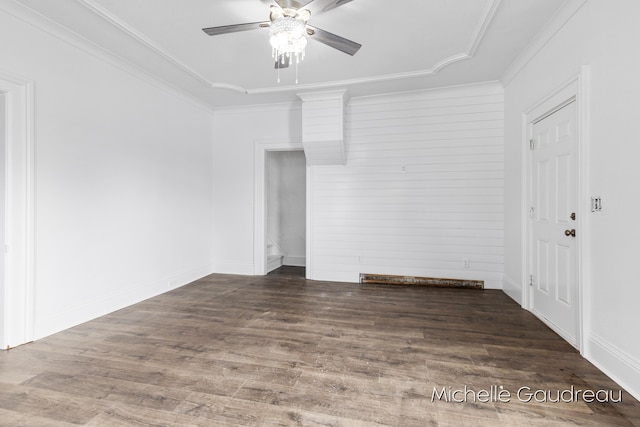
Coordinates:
[524,394]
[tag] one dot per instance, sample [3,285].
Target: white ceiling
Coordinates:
[407,44]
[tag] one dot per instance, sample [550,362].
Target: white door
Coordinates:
[554,287]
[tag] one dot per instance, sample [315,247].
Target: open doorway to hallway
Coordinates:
[286,208]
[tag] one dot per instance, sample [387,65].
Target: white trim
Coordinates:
[512,288]
[465,90]
[352,82]
[483,26]
[20,267]
[557,22]
[575,87]
[476,39]
[259,108]
[584,247]
[139,37]
[261,146]
[309,273]
[328,95]
[296,261]
[621,367]
[273,262]
[54,29]
[525,205]
[224,266]
[112,21]
[116,299]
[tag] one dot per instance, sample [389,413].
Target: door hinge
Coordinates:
[531,280]
[532,212]
[532,144]
[596,204]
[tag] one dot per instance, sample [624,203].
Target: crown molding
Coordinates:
[363,80]
[259,108]
[466,88]
[483,26]
[567,11]
[139,37]
[478,35]
[13,78]
[324,95]
[190,78]
[476,40]
[34,18]
[227,86]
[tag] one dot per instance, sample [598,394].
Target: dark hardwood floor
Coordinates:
[282,351]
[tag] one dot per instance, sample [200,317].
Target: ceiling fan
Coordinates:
[289,29]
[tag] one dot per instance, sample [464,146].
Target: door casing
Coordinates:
[574,87]
[18,248]
[262,146]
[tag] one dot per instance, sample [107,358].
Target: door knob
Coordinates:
[571,232]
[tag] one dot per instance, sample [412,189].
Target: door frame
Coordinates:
[18,321]
[262,146]
[574,87]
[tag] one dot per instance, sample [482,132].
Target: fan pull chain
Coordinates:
[284,59]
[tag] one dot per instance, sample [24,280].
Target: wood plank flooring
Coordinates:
[282,351]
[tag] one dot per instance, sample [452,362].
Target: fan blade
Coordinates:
[283,62]
[336,42]
[320,6]
[225,29]
[292,4]
[287,4]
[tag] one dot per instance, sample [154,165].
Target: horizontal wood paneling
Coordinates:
[421,192]
[323,128]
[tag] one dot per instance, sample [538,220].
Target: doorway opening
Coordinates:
[263,149]
[285,173]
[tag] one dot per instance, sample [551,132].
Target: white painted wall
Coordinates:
[603,35]
[123,193]
[323,127]
[124,189]
[237,130]
[421,192]
[286,204]
[446,208]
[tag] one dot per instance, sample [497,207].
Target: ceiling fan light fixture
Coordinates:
[288,37]
[288,31]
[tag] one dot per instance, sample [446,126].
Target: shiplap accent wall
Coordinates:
[323,127]
[422,190]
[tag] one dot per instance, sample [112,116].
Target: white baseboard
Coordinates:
[512,288]
[620,366]
[185,277]
[295,261]
[125,296]
[273,262]
[332,276]
[233,267]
